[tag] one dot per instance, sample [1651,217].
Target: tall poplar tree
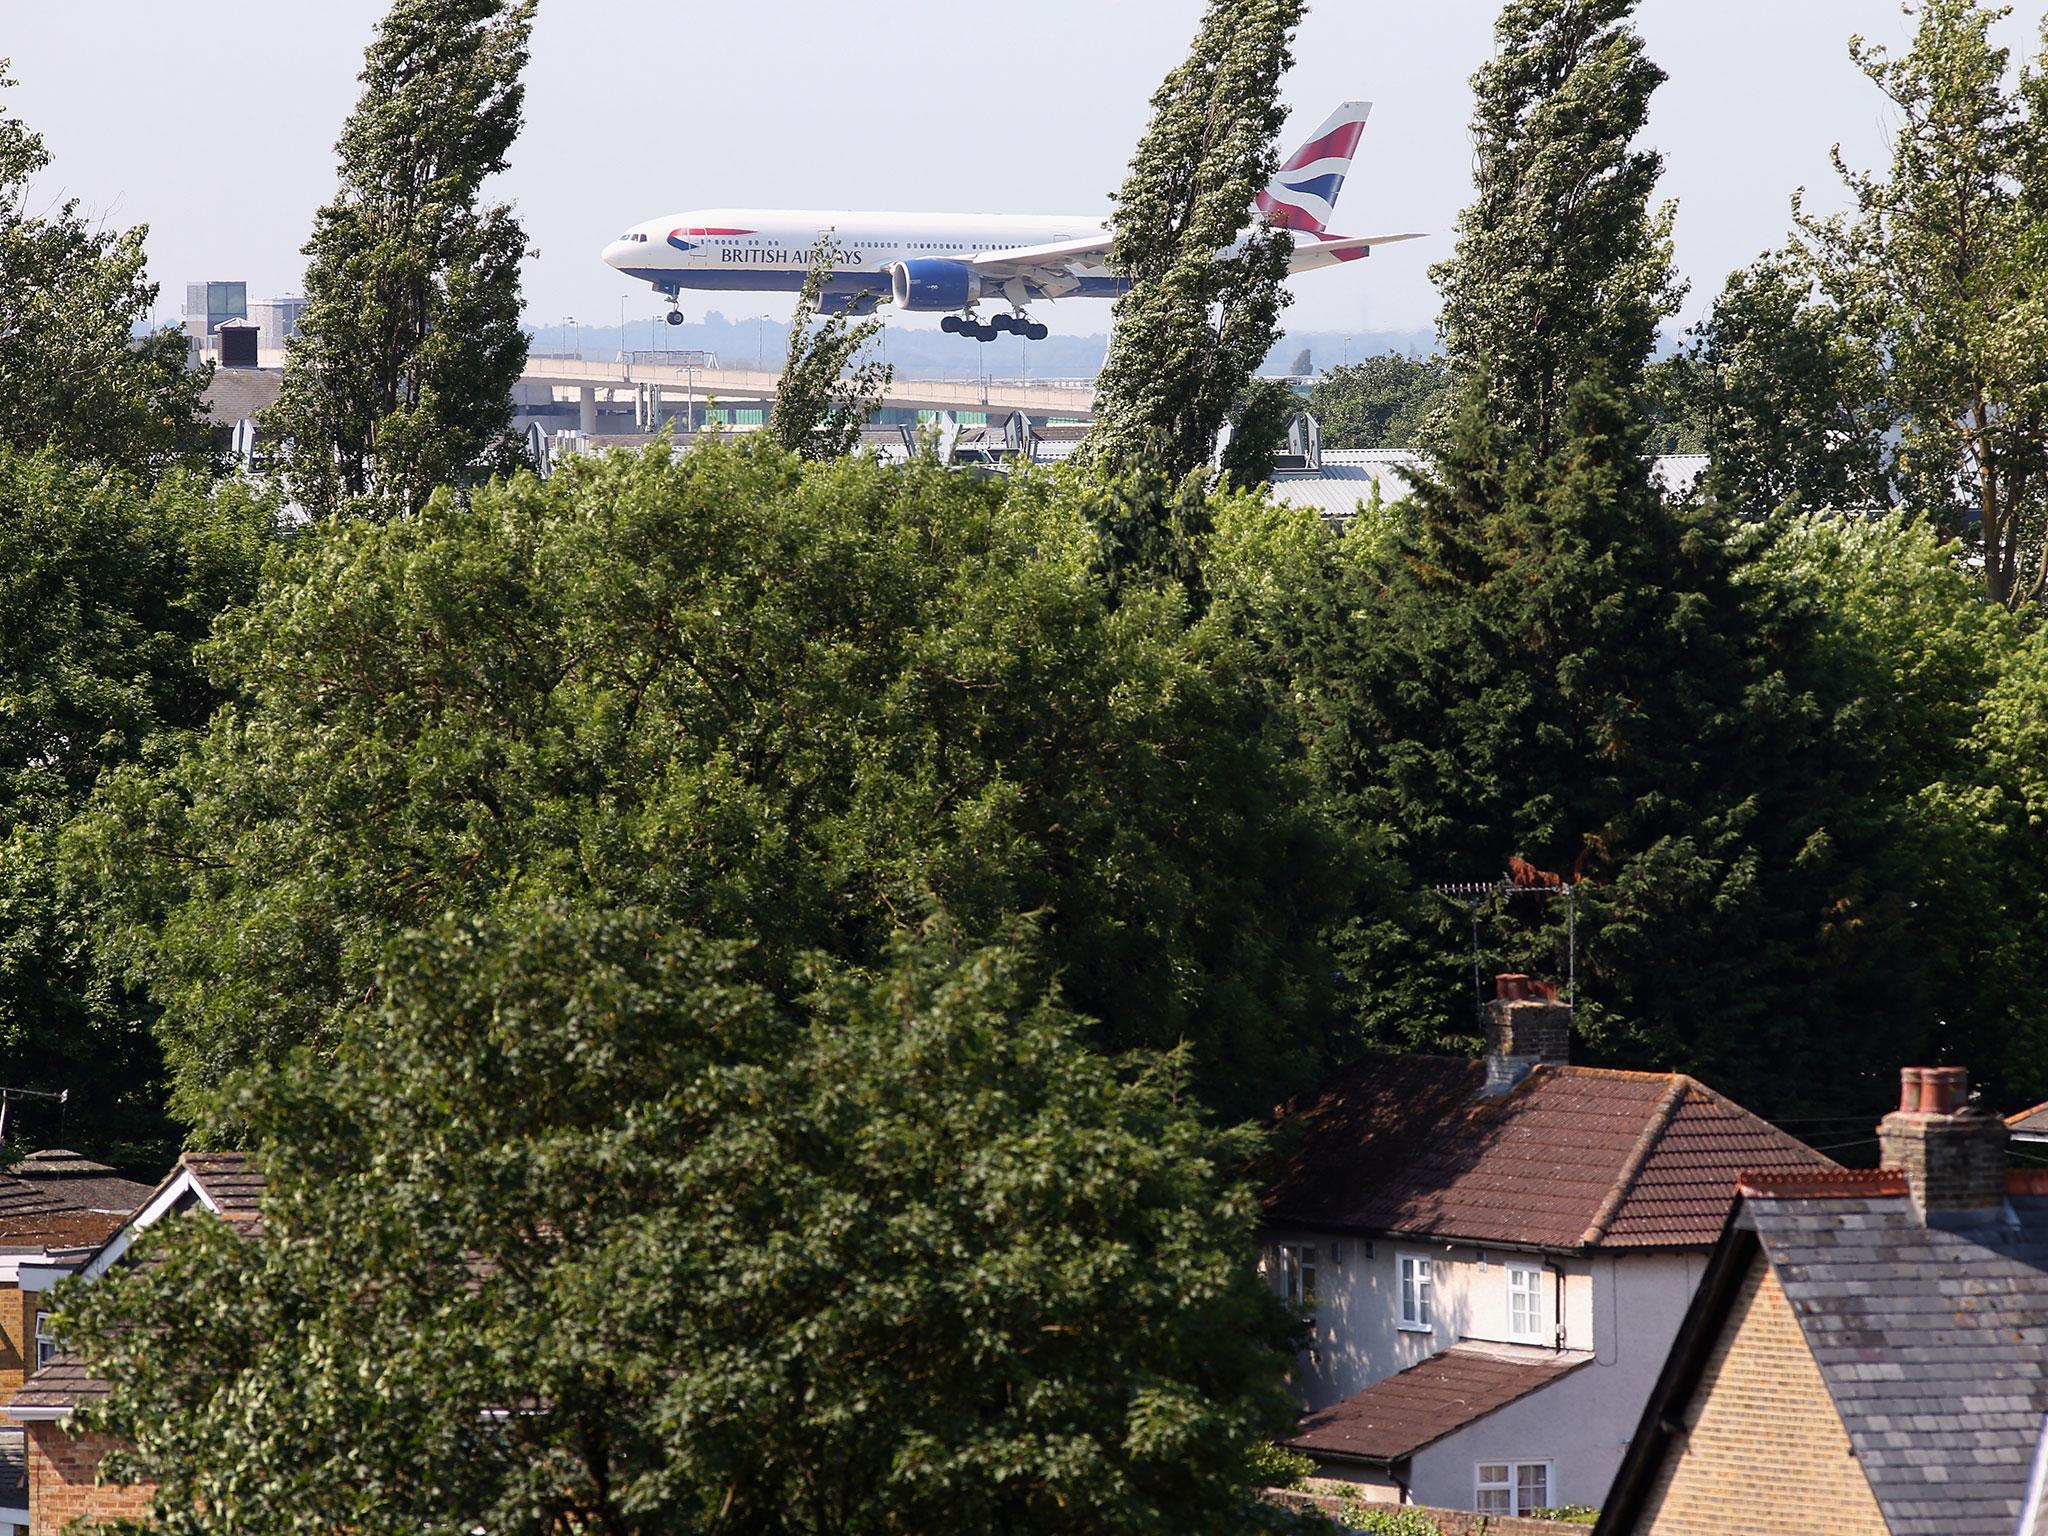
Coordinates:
[400,379]
[827,393]
[1204,306]
[1939,270]
[1562,268]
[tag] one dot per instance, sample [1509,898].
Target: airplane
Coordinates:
[955,262]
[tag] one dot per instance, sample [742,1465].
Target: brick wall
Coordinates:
[1763,1450]
[17,1339]
[64,1485]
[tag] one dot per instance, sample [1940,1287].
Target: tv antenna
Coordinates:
[1521,879]
[9,1095]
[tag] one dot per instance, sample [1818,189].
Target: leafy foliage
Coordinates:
[826,393]
[73,375]
[783,702]
[1258,431]
[642,1253]
[1383,402]
[105,588]
[1204,306]
[1938,271]
[1561,273]
[400,378]
[1784,395]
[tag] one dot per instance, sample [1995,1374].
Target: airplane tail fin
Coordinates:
[1303,196]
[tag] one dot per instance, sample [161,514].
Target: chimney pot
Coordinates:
[1951,1151]
[1526,1026]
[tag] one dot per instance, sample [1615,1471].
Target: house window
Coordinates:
[46,1339]
[1415,1291]
[1512,1487]
[1525,1302]
[1298,1273]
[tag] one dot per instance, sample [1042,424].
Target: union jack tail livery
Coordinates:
[1303,196]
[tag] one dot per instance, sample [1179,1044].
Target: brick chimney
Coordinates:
[1525,1025]
[1951,1151]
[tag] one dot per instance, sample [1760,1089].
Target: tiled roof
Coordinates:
[80,1182]
[1399,1415]
[231,1181]
[1572,1157]
[1933,1341]
[2030,1121]
[64,1383]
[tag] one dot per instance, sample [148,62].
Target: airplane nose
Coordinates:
[615,254]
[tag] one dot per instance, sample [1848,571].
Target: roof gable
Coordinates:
[1572,1157]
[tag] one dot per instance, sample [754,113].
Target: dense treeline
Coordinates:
[759,951]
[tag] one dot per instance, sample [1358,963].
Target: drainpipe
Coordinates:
[1557,1304]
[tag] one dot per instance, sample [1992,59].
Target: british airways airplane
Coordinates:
[954,262]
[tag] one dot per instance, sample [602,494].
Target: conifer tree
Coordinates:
[827,392]
[1561,265]
[1204,306]
[400,379]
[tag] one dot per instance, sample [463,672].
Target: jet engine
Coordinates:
[935,284]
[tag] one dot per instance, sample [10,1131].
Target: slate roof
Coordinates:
[1571,1158]
[81,1182]
[2030,1124]
[1399,1415]
[1933,1341]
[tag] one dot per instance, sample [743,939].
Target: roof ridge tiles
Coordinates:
[1841,1183]
[1632,1167]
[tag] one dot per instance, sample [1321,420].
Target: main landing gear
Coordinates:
[1016,325]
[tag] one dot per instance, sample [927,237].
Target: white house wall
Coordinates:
[1625,1308]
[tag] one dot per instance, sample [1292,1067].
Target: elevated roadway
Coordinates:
[998,395]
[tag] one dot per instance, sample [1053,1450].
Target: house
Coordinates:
[1497,1255]
[50,1223]
[1868,1352]
[62,1465]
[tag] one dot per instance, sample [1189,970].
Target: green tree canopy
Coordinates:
[1786,398]
[1939,271]
[1562,273]
[1204,305]
[74,376]
[400,378]
[105,589]
[1258,430]
[1383,402]
[641,1252]
[826,393]
[782,702]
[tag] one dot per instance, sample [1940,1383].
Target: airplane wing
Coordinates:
[1312,254]
[1025,260]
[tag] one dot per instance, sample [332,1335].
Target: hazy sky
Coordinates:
[213,122]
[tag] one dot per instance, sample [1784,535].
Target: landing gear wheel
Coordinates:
[1037,331]
[985,333]
[675,317]
[1003,323]
[952,325]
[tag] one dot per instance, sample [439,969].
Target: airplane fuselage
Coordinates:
[771,250]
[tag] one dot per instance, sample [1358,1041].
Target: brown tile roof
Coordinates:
[36,1218]
[231,1181]
[64,1383]
[80,1182]
[1572,1157]
[1399,1415]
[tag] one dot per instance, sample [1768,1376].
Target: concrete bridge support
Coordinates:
[586,410]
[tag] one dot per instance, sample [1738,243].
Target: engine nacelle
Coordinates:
[935,284]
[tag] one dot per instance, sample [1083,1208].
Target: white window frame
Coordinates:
[1532,1293]
[46,1338]
[1510,1488]
[1420,1268]
[1297,1271]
